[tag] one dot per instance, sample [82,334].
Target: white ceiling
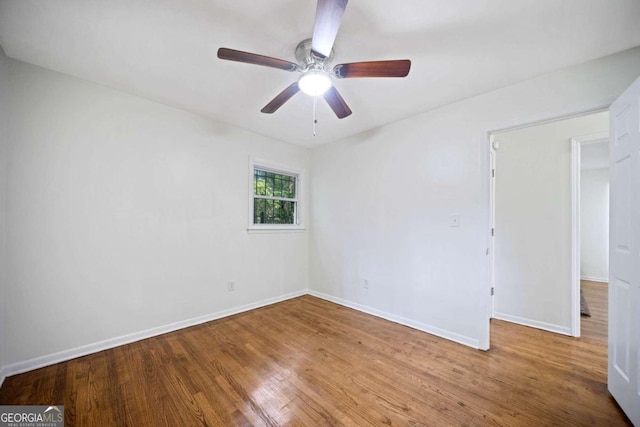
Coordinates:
[165,50]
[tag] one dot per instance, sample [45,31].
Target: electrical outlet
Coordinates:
[231,285]
[365,284]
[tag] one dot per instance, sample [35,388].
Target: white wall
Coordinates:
[4,80]
[382,201]
[533,222]
[594,224]
[594,155]
[126,215]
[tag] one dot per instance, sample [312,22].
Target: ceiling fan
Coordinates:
[314,56]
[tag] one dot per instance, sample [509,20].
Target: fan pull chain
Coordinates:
[315,121]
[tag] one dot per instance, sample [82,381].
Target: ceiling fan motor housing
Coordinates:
[308,59]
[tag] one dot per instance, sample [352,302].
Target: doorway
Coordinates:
[535,248]
[590,222]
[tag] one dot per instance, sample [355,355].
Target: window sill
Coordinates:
[276,229]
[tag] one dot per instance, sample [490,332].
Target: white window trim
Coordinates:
[279,168]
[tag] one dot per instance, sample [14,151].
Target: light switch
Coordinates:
[454,220]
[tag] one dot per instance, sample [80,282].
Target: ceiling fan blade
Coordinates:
[281,98]
[336,103]
[328,16]
[254,58]
[398,68]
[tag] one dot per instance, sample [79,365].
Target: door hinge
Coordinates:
[493,232]
[493,173]
[492,291]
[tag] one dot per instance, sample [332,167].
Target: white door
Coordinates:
[624,273]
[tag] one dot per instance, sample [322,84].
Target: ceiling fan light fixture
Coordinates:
[314,82]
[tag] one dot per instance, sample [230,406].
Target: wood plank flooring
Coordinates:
[308,362]
[597,296]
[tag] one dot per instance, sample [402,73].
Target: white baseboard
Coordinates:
[461,339]
[534,324]
[595,279]
[50,359]
[3,374]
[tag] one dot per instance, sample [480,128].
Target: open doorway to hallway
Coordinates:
[592,196]
[536,248]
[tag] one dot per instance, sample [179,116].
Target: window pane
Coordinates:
[277,190]
[273,211]
[258,211]
[272,186]
[292,187]
[259,184]
[287,212]
[283,212]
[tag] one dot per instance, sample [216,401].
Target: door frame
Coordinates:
[490,198]
[577,143]
[493,145]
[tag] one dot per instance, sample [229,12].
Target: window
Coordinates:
[275,196]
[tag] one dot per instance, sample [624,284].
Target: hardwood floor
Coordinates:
[595,327]
[308,362]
